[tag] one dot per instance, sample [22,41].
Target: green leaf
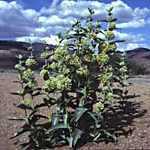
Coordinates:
[39,116]
[76,136]
[58,126]
[49,100]
[18,93]
[97,136]
[21,131]
[17,119]
[24,106]
[55,119]
[80,111]
[40,105]
[109,135]
[60,130]
[66,119]
[36,117]
[95,119]
[36,93]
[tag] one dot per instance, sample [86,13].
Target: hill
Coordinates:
[10,49]
[137,58]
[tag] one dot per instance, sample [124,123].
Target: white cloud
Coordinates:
[129,37]
[54,40]
[127,16]
[132,41]
[122,11]
[79,8]
[55,20]
[16,21]
[20,23]
[28,39]
[132,24]
[137,18]
[141,13]
[32,38]
[131,46]
[30,13]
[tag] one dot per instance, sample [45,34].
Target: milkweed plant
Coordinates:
[79,83]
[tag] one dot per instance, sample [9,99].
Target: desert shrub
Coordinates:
[79,81]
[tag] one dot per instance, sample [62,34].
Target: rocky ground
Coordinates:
[130,122]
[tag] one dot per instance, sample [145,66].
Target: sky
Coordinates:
[38,20]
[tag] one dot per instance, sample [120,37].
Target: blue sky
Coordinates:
[38,20]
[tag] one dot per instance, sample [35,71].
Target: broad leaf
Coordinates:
[22,130]
[80,111]
[76,136]
[24,106]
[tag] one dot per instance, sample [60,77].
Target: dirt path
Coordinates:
[6,110]
[131,121]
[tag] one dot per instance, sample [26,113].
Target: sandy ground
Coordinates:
[130,122]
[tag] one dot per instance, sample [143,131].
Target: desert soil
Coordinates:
[130,122]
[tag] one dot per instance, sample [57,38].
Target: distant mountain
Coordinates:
[139,57]
[10,49]
[139,52]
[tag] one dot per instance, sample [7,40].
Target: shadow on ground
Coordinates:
[119,119]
